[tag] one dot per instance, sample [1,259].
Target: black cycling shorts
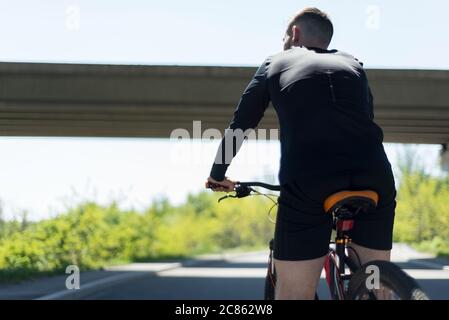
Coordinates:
[303,229]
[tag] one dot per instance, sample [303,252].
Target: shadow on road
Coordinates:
[239,279]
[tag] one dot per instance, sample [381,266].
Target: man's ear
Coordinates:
[296,34]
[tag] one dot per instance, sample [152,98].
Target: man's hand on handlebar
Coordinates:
[226,185]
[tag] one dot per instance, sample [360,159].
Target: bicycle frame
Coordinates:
[337,259]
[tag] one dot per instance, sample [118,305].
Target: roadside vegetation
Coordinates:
[91,235]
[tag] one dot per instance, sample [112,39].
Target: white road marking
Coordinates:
[429,264]
[215,272]
[423,274]
[143,266]
[418,274]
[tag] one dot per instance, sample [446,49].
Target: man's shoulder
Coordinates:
[278,62]
[280,59]
[297,52]
[349,56]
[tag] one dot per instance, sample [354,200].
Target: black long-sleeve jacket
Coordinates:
[325,111]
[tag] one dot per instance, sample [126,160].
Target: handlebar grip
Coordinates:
[211,185]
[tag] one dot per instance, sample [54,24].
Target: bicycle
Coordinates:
[346,279]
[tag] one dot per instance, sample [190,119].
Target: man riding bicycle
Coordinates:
[329,142]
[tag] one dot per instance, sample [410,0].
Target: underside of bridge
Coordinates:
[37,99]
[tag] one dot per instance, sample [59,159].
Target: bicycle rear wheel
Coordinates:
[393,283]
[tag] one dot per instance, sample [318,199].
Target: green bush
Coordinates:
[92,236]
[422,214]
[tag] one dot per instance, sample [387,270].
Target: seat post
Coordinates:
[343,206]
[344,222]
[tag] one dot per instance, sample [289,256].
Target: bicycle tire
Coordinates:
[391,276]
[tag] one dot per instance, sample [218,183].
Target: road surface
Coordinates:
[242,277]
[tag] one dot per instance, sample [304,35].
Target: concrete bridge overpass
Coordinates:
[40,99]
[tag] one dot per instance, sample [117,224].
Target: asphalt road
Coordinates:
[242,277]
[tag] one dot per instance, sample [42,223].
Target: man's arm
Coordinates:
[371,113]
[247,115]
[370,104]
[370,96]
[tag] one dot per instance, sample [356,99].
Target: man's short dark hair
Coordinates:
[315,24]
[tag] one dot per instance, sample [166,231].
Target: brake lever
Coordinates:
[226,196]
[240,192]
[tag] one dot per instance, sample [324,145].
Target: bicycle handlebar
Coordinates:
[260,184]
[244,189]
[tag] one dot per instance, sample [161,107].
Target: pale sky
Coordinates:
[41,174]
[389,34]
